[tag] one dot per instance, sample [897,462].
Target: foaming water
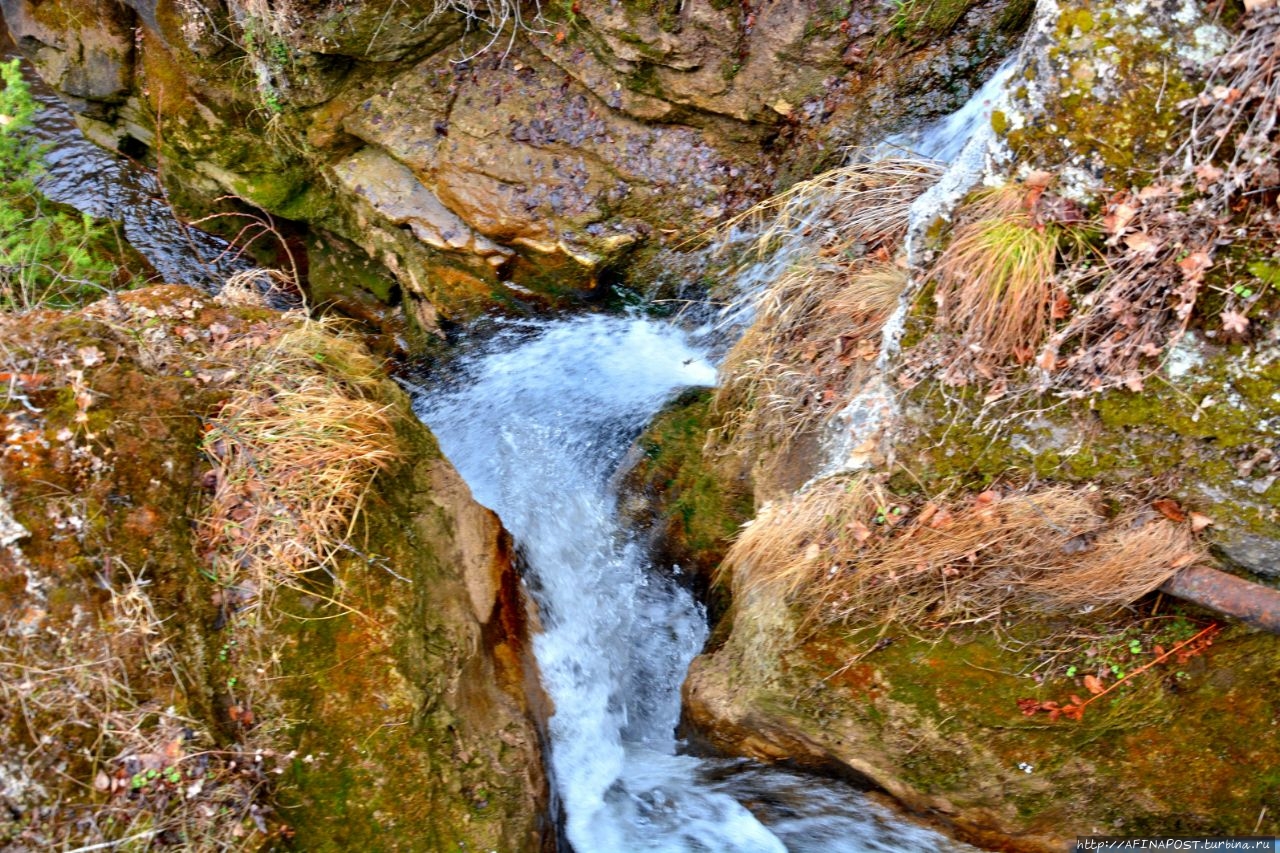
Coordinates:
[537,421]
[107,186]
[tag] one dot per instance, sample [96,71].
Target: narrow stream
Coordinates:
[109,186]
[537,421]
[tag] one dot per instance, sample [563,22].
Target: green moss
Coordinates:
[1186,434]
[940,715]
[694,501]
[922,21]
[1119,88]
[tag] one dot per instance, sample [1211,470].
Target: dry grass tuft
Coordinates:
[815,336]
[845,551]
[862,203]
[294,451]
[816,327]
[994,283]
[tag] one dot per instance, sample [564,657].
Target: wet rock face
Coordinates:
[84,49]
[702,59]
[563,150]
[527,157]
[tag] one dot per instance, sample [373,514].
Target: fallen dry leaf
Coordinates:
[1093,685]
[1199,521]
[1194,265]
[1141,243]
[1169,509]
[1119,218]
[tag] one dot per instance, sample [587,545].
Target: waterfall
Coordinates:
[537,420]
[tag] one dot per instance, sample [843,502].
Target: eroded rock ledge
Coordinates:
[573,148]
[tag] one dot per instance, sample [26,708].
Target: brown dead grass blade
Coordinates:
[845,551]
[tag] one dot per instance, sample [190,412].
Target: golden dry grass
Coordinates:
[846,551]
[994,282]
[294,451]
[864,202]
[816,327]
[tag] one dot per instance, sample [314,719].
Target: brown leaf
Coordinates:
[1141,243]
[1194,265]
[1199,521]
[942,520]
[859,531]
[1169,509]
[1207,175]
[1061,308]
[1093,685]
[1039,179]
[1119,218]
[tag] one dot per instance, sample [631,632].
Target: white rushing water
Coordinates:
[537,421]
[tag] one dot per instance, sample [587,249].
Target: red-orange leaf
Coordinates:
[1093,685]
[1169,509]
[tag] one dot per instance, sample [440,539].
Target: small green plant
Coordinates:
[272,101]
[1269,273]
[279,51]
[48,258]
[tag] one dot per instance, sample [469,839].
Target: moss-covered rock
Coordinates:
[383,701]
[690,505]
[935,721]
[1203,435]
[931,713]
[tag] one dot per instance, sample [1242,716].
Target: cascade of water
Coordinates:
[536,423]
[966,141]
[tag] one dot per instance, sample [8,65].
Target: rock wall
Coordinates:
[480,165]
